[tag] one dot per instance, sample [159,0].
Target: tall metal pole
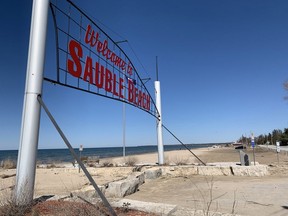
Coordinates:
[124,121]
[26,164]
[157,79]
[123,111]
[253,146]
[159,120]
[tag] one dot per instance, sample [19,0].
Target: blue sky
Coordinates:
[222,65]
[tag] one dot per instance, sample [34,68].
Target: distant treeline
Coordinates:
[270,138]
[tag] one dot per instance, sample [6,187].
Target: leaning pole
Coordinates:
[26,164]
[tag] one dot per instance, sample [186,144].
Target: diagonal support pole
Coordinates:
[105,201]
[184,145]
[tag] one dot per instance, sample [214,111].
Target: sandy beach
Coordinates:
[244,195]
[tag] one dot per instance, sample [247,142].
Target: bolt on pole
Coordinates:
[26,164]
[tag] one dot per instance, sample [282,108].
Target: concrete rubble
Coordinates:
[126,186]
[131,184]
[115,191]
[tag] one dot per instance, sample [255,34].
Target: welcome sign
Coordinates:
[89,60]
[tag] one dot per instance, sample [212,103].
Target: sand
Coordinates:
[266,195]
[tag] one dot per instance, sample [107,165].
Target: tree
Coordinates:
[285,131]
[243,140]
[260,139]
[284,137]
[276,135]
[270,138]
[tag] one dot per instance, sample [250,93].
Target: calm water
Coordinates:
[63,155]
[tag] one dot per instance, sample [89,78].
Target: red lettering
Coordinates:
[74,66]
[140,101]
[109,54]
[147,102]
[123,65]
[145,105]
[117,61]
[99,75]
[114,85]
[99,47]
[89,37]
[135,96]
[92,39]
[108,80]
[129,69]
[113,57]
[105,49]
[88,72]
[121,86]
[130,91]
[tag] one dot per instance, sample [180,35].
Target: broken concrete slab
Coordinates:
[126,186]
[153,173]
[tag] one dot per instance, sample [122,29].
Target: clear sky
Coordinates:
[222,65]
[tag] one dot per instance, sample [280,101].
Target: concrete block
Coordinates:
[180,170]
[137,175]
[209,170]
[153,173]
[89,192]
[258,170]
[125,187]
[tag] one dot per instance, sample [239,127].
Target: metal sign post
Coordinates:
[80,151]
[26,164]
[278,150]
[253,146]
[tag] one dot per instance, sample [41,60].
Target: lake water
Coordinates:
[63,155]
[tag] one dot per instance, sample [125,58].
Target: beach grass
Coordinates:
[8,164]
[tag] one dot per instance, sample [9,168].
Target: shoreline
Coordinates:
[63,154]
[170,157]
[211,154]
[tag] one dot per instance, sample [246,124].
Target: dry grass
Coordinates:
[75,206]
[180,160]
[59,208]
[130,161]
[66,208]
[206,200]
[107,163]
[8,164]
[51,166]
[9,207]
[93,161]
